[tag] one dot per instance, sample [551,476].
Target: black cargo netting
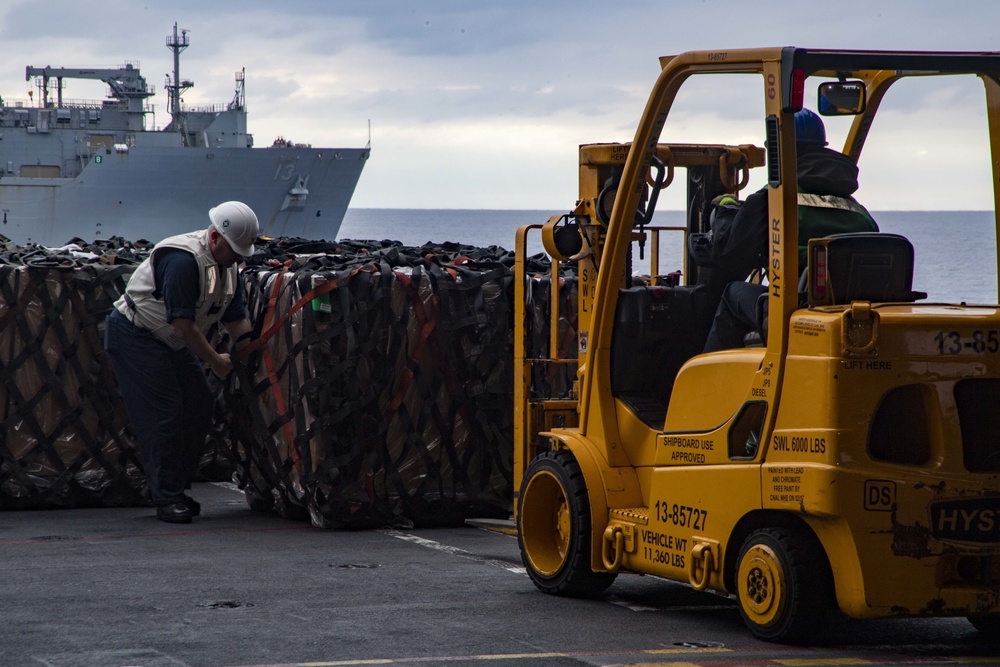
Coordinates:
[64,430]
[379,391]
[552,380]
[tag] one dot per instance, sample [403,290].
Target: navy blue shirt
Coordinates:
[177,281]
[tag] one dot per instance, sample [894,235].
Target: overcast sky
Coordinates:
[478,104]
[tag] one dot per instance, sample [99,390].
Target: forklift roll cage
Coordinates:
[788,67]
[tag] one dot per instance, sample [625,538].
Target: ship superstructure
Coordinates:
[93,170]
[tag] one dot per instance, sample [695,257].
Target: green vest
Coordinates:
[824,215]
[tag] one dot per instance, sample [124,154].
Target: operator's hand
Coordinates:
[222,365]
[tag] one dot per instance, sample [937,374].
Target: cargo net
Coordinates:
[378,389]
[551,380]
[382,388]
[65,441]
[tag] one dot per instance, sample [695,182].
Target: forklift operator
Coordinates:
[826,181]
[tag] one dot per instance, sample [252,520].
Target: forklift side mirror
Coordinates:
[842,98]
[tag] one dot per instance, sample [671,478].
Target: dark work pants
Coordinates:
[735,317]
[168,400]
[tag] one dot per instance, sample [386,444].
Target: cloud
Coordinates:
[463,96]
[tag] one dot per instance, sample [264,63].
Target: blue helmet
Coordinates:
[809,128]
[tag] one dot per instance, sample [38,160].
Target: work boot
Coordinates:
[174,513]
[193,505]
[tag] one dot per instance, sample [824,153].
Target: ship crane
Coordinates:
[126,83]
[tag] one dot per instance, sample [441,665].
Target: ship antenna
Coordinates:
[175,87]
[239,98]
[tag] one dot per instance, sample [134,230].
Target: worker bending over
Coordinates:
[158,338]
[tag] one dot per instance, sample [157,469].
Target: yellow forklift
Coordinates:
[846,457]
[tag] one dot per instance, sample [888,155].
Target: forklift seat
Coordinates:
[865,266]
[861,266]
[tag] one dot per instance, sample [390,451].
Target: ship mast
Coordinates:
[175,86]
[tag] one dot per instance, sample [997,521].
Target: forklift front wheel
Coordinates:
[783,585]
[554,527]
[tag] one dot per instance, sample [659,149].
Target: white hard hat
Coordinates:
[238,225]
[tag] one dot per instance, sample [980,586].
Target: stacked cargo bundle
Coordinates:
[378,390]
[64,438]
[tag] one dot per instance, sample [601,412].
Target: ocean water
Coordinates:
[955,251]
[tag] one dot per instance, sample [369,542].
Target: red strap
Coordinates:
[272,376]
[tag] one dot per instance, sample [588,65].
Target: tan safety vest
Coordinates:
[218,287]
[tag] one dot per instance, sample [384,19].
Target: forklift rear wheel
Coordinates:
[554,527]
[783,585]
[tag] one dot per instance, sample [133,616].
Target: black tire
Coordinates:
[554,528]
[987,625]
[784,585]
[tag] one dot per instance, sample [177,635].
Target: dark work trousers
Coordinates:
[168,400]
[735,317]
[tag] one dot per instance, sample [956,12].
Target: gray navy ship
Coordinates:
[94,170]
